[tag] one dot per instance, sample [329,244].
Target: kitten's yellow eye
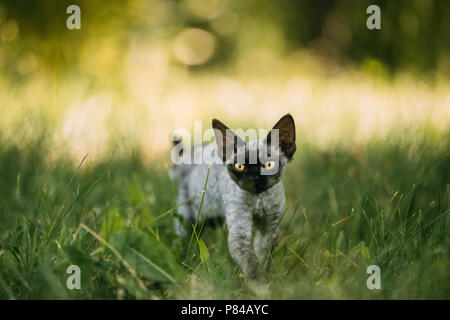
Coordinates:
[239,166]
[269,165]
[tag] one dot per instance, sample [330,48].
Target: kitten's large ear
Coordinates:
[227,141]
[286,135]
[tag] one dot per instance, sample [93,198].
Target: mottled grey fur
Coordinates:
[246,213]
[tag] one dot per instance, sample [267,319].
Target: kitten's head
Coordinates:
[257,165]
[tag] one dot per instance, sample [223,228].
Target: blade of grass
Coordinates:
[117,254]
[173,209]
[80,195]
[7,289]
[299,257]
[198,215]
[147,260]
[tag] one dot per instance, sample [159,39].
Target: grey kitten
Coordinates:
[248,194]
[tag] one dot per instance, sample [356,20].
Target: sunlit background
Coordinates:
[137,70]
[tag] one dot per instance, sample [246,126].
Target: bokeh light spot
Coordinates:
[194,46]
[9,30]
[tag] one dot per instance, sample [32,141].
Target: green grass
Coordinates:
[385,203]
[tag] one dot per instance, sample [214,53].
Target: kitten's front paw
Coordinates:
[258,288]
[257,281]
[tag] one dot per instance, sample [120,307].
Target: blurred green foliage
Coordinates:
[414,34]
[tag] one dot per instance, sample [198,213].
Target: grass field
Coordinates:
[385,202]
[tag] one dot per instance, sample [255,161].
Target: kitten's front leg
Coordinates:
[266,237]
[239,244]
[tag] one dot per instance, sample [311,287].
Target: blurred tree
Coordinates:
[414,34]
